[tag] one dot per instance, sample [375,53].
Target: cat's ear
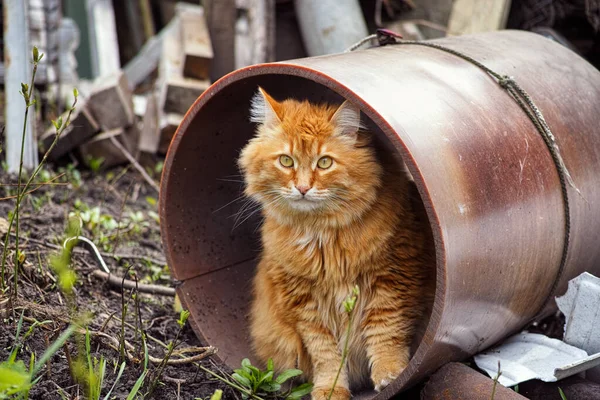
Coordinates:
[263,109]
[346,120]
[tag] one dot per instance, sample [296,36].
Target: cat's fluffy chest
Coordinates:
[335,256]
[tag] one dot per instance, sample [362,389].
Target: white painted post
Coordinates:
[104,45]
[17,63]
[330,26]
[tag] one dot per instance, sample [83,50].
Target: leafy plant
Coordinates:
[22,190]
[265,384]
[15,377]
[95,163]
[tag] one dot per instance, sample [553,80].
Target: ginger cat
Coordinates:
[334,217]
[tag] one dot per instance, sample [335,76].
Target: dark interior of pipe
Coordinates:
[215,261]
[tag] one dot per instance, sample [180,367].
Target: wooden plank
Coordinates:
[168,126]
[262,28]
[17,56]
[472,16]
[82,128]
[149,140]
[179,94]
[102,147]
[104,44]
[197,48]
[111,102]
[221,19]
[176,93]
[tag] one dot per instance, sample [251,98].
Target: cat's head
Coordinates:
[307,158]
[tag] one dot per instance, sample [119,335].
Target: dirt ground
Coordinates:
[121,196]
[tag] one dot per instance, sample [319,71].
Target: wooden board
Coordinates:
[472,16]
[221,17]
[197,48]
[82,128]
[176,93]
[111,102]
[102,147]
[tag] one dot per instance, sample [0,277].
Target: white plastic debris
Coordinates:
[581,306]
[529,356]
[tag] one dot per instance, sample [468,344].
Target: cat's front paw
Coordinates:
[322,393]
[384,374]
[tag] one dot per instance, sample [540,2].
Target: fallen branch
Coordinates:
[118,281]
[206,351]
[135,164]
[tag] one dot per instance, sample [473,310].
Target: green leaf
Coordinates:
[288,374]
[270,387]
[137,386]
[300,391]
[14,377]
[243,373]
[246,362]
[75,92]
[270,366]
[217,395]
[562,394]
[36,54]
[242,380]
[107,397]
[58,343]
[266,378]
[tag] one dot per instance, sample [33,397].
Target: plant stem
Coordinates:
[344,354]
[22,193]
[28,104]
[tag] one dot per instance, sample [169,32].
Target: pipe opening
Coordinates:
[205,191]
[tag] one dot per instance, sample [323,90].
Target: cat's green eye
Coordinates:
[324,162]
[286,161]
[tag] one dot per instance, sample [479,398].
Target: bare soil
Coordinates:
[43,220]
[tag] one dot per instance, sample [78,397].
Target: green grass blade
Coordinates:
[58,343]
[137,386]
[562,394]
[107,397]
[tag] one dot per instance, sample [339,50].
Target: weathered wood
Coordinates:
[104,44]
[180,93]
[111,101]
[472,16]
[17,56]
[197,48]
[330,26]
[101,147]
[144,63]
[176,93]
[168,125]
[221,20]
[150,133]
[82,128]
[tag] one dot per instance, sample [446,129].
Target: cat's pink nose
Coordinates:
[303,189]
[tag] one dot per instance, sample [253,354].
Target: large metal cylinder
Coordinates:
[486,178]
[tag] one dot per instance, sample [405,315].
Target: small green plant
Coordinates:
[95,163]
[562,394]
[265,384]
[498,375]
[255,384]
[183,317]
[22,190]
[16,378]
[349,305]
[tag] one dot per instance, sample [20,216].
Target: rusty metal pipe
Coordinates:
[486,178]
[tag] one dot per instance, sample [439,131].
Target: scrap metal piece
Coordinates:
[529,356]
[581,306]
